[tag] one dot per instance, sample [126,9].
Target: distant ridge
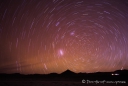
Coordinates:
[121,72]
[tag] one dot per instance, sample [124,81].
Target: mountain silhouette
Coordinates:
[68,72]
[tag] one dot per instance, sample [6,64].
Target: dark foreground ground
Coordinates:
[67,78]
[31,82]
[52,83]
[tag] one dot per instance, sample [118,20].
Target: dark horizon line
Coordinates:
[64,72]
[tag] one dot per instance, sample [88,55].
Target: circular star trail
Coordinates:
[45,36]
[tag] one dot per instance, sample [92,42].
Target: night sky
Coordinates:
[45,36]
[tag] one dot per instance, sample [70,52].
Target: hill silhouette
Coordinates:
[68,72]
[122,72]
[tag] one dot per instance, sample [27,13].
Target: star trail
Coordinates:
[45,36]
